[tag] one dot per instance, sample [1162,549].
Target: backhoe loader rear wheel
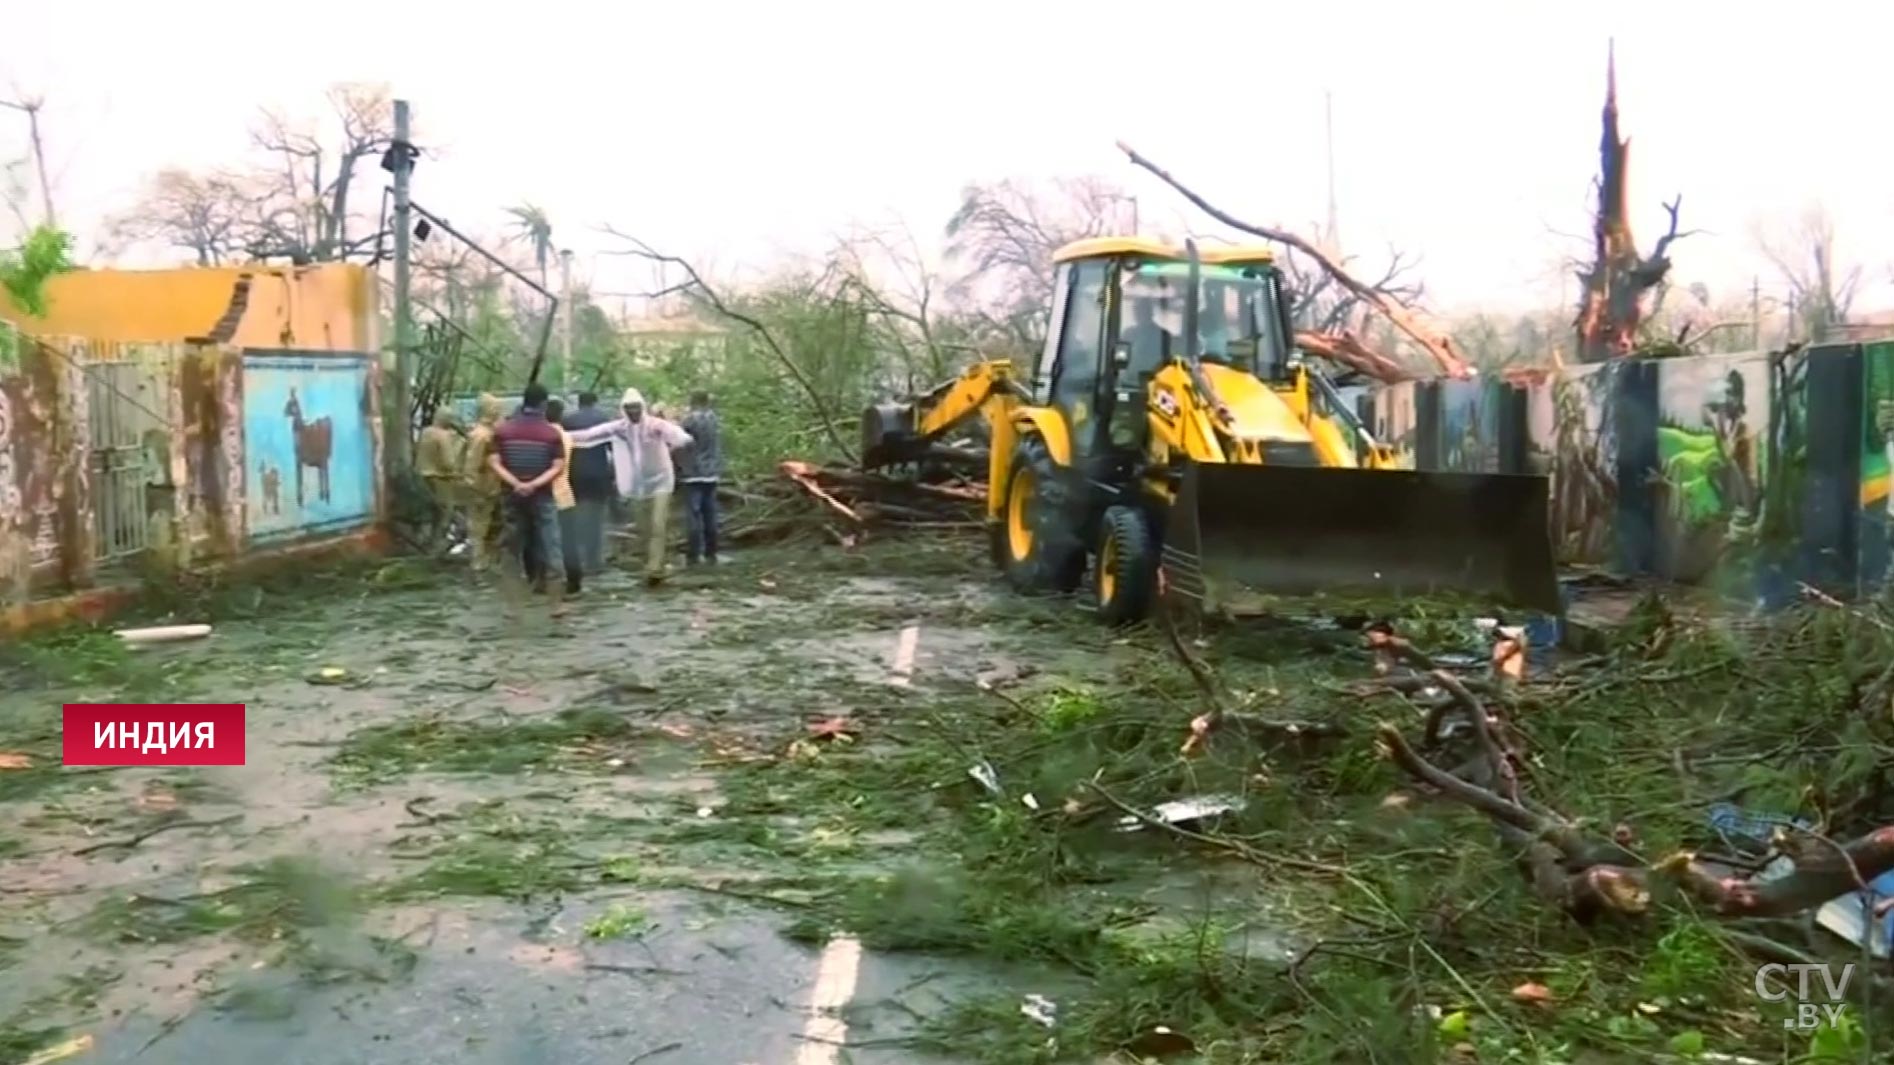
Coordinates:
[1037,543]
[1127,566]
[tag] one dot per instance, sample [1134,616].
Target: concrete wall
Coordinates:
[327,307]
[239,381]
[1749,473]
[220,478]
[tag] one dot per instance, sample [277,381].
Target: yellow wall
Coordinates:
[327,307]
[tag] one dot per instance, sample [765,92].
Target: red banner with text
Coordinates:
[153,733]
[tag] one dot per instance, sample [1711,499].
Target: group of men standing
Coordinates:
[540,485]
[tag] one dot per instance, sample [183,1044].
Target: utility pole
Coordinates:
[1755,314]
[565,322]
[31,108]
[400,446]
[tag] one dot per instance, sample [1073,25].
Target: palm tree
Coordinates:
[531,222]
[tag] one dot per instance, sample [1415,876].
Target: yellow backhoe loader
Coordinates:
[1171,435]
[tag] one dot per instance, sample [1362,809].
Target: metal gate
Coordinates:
[123,406]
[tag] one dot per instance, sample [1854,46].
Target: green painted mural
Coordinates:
[1877,463]
[1713,415]
[1584,455]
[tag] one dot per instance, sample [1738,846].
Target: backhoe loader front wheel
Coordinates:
[1127,566]
[1037,542]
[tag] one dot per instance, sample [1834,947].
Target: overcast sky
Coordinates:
[1466,132]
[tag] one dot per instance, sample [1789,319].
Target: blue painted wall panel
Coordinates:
[309,444]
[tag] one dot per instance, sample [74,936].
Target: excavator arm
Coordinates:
[907,431]
[903,432]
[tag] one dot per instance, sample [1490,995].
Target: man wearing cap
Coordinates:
[641,446]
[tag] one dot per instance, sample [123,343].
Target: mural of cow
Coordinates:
[313,444]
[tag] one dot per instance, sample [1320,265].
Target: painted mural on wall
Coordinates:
[1584,463]
[1784,480]
[45,520]
[1713,417]
[309,453]
[1876,527]
[1469,426]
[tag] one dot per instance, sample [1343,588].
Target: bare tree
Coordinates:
[1821,294]
[697,287]
[203,214]
[302,209]
[1319,303]
[1003,236]
[296,202]
[1344,347]
[30,107]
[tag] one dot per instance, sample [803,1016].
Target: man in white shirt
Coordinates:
[641,446]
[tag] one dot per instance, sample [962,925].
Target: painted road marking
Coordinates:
[825,1031]
[904,656]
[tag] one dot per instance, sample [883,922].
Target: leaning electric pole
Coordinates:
[565,323]
[401,157]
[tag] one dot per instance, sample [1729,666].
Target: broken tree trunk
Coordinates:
[1347,350]
[1587,875]
[1438,345]
[1612,291]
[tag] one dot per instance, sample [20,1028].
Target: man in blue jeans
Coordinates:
[527,455]
[698,468]
[592,486]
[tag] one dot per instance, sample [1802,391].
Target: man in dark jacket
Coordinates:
[698,468]
[592,486]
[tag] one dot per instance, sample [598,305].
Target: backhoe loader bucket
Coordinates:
[1239,533]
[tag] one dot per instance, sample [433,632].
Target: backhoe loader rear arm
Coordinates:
[987,388]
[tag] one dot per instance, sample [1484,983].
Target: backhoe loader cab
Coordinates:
[1169,439]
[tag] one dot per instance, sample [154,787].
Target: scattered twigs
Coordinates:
[1236,847]
[1210,693]
[133,841]
[1587,874]
[422,819]
[850,503]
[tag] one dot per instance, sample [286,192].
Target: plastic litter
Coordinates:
[163,634]
[1185,811]
[987,778]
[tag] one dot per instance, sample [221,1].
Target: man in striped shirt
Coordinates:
[528,454]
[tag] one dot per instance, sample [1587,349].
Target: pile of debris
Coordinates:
[847,504]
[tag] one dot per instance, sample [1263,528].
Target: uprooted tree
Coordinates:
[1004,234]
[1614,287]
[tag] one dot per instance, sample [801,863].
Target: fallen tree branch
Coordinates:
[134,841]
[1438,345]
[695,282]
[1210,693]
[1821,873]
[802,474]
[1346,349]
